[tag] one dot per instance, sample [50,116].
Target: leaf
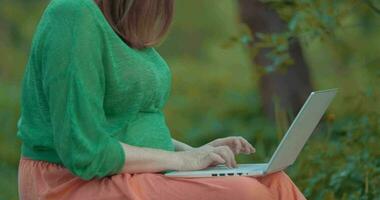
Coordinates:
[246,39]
[292,25]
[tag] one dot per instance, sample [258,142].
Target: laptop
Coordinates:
[288,149]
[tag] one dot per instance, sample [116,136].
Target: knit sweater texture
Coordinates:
[84,89]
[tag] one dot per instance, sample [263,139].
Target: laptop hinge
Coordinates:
[275,170]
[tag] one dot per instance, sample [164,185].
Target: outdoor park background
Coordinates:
[216,89]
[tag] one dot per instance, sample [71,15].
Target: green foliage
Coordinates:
[309,21]
[345,165]
[8,181]
[340,160]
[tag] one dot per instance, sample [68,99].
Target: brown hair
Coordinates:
[140,23]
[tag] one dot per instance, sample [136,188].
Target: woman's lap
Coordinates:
[42,180]
[202,188]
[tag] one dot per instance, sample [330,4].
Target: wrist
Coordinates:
[177,160]
[180,146]
[187,147]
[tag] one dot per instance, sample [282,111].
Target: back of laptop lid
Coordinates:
[301,129]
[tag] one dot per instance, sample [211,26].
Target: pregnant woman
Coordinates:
[92,124]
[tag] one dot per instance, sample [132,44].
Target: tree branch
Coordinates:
[372,6]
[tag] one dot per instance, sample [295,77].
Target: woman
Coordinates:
[92,124]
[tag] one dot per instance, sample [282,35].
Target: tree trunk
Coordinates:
[290,88]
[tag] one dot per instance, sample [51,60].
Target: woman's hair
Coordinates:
[140,23]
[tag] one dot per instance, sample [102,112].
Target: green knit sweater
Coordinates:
[84,90]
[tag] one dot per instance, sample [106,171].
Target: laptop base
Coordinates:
[255,170]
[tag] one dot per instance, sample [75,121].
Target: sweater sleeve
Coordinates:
[74,83]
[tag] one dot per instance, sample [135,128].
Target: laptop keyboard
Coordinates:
[240,166]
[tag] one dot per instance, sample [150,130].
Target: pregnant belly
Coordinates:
[149,129]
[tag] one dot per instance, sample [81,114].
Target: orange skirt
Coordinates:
[47,181]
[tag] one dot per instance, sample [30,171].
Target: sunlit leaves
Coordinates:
[307,20]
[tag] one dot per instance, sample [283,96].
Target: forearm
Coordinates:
[145,160]
[180,146]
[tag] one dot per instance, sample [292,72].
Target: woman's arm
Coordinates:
[148,160]
[219,151]
[180,146]
[140,160]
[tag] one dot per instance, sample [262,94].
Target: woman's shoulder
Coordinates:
[71,9]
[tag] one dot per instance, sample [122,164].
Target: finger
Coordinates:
[227,141]
[253,150]
[238,146]
[228,155]
[216,158]
[224,154]
[247,146]
[232,157]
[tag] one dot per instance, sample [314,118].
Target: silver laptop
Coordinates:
[288,149]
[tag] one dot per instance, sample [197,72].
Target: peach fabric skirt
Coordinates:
[47,181]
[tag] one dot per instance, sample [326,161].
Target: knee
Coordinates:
[276,178]
[281,176]
[281,184]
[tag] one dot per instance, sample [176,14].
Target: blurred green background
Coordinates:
[216,91]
